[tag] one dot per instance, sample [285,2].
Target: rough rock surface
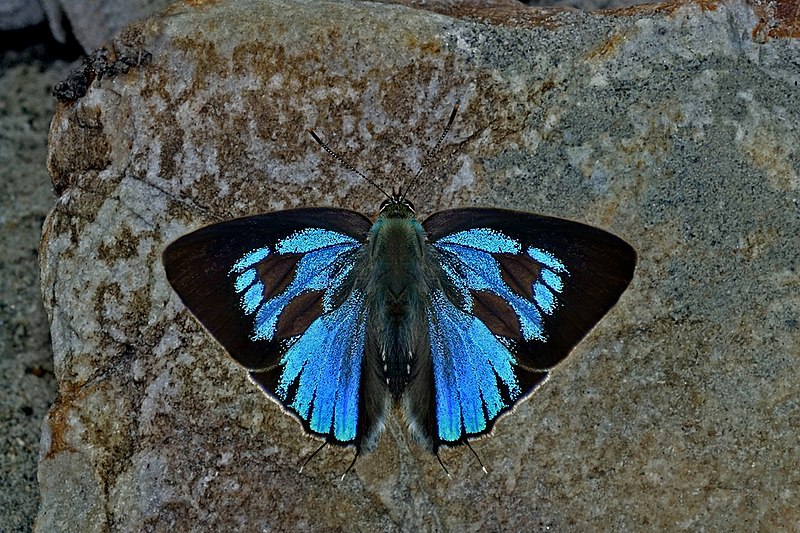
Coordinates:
[93,22]
[674,126]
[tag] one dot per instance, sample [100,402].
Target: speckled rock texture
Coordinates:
[674,126]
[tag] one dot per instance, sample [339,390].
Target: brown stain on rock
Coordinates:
[766,151]
[668,8]
[271,115]
[178,8]
[282,73]
[83,145]
[124,246]
[58,427]
[776,19]
[517,15]
[58,418]
[77,414]
[607,48]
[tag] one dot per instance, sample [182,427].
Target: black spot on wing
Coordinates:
[495,312]
[299,314]
[277,273]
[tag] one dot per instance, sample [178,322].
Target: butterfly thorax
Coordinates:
[398,289]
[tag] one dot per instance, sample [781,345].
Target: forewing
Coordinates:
[276,291]
[516,293]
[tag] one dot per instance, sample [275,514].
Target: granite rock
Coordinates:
[674,126]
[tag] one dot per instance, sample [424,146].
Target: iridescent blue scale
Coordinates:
[325,363]
[468,360]
[474,249]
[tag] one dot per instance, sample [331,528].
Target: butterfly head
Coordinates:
[397,206]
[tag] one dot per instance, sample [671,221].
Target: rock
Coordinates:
[675,126]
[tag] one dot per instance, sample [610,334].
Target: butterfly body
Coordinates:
[396,301]
[453,320]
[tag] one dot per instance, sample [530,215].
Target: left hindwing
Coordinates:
[516,293]
[276,291]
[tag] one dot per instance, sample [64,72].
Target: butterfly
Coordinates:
[452,321]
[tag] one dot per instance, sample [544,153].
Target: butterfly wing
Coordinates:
[515,293]
[276,290]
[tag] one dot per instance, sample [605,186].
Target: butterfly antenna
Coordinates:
[351,466]
[308,460]
[476,457]
[344,163]
[432,152]
[446,471]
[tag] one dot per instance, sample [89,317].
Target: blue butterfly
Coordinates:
[454,320]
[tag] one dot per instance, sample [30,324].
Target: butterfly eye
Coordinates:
[409,205]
